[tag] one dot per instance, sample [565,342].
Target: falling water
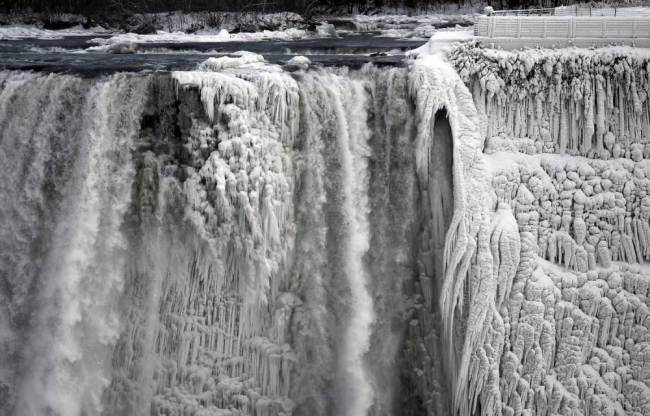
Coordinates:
[353,389]
[78,178]
[236,242]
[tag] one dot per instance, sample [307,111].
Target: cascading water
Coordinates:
[354,389]
[347,195]
[230,241]
[66,156]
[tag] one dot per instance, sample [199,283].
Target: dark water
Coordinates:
[69,54]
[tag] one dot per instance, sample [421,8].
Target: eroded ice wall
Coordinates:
[566,147]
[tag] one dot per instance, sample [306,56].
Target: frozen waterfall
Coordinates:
[218,239]
[463,235]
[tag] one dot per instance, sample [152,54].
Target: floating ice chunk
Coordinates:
[123,47]
[326,30]
[300,61]
[242,58]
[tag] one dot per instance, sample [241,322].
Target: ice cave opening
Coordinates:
[442,190]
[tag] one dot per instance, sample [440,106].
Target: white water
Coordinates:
[354,389]
[75,322]
[232,240]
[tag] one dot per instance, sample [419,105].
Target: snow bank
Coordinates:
[387,21]
[32,32]
[417,26]
[441,40]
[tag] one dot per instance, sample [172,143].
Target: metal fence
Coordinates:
[562,27]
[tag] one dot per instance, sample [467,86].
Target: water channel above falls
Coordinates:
[69,54]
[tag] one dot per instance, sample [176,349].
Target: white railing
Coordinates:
[577,11]
[562,27]
[524,12]
[602,11]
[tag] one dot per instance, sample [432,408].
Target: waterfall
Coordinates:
[349,154]
[236,240]
[74,180]
[355,390]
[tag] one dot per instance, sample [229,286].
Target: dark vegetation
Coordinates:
[95,7]
[100,10]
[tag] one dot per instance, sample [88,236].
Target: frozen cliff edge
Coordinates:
[562,270]
[435,86]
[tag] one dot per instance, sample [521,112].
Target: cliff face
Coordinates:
[451,237]
[566,146]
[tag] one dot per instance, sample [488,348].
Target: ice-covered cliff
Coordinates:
[462,235]
[566,145]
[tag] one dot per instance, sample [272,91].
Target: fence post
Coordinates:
[575,23]
[604,27]
[544,35]
[518,27]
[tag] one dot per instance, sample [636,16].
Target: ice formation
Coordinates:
[565,145]
[462,235]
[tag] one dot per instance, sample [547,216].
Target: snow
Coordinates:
[440,41]
[375,22]
[417,26]
[29,32]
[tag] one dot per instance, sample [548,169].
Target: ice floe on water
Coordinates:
[202,37]
[300,62]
